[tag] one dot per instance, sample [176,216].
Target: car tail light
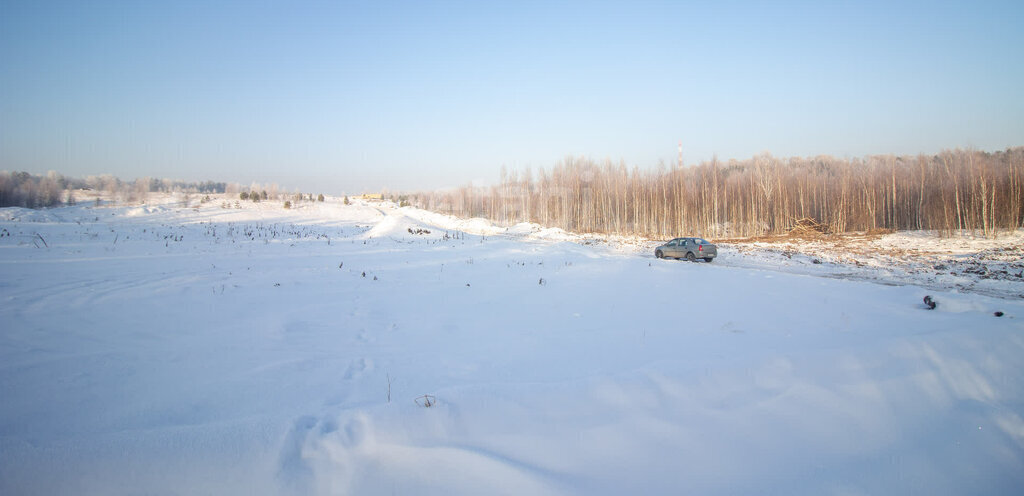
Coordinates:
[700,247]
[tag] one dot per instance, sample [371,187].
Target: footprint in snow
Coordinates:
[358,367]
[305,444]
[293,471]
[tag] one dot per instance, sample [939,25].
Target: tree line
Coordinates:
[22,189]
[952,191]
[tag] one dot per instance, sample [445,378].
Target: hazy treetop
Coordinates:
[348,97]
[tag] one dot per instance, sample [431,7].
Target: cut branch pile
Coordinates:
[808,227]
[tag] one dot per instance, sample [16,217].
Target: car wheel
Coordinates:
[690,257]
[709,259]
[659,254]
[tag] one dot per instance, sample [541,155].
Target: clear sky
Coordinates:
[344,97]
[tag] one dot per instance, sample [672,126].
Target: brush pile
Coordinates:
[808,227]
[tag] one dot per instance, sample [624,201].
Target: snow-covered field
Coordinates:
[158,349]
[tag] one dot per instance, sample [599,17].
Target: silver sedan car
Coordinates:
[688,248]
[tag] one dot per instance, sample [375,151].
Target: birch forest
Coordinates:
[953,191]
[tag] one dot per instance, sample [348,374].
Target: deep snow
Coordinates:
[159,349]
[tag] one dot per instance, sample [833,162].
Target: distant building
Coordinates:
[371,196]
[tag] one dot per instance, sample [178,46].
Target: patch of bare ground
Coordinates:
[963,261]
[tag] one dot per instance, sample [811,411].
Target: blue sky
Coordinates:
[343,97]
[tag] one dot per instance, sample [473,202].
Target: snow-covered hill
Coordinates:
[212,349]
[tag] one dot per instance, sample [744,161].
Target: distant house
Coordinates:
[371,196]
